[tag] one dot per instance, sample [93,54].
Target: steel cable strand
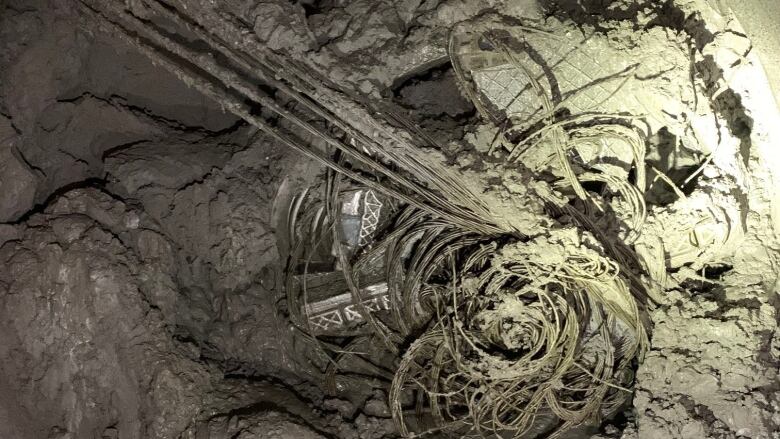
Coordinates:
[131,27]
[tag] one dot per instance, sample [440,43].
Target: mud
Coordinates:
[140,279]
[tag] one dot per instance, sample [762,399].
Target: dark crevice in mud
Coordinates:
[277,397]
[716,272]
[713,426]
[122,147]
[183,337]
[432,100]
[10,120]
[208,353]
[596,187]
[620,420]
[729,105]
[595,12]
[315,7]
[725,102]
[90,183]
[271,407]
[659,192]
[431,72]
[284,398]
[601,15]
[703,288]
[20,155]
[144,113]
[241,369]
[17,8]
[768,393]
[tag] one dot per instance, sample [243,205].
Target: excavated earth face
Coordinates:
[139,265]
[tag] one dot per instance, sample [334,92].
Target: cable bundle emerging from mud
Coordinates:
[497,326]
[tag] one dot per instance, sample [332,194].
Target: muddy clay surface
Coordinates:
[139,267]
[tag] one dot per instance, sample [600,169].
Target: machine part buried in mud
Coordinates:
[496,326]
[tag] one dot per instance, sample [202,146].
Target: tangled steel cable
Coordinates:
[535,336]
[502,319]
